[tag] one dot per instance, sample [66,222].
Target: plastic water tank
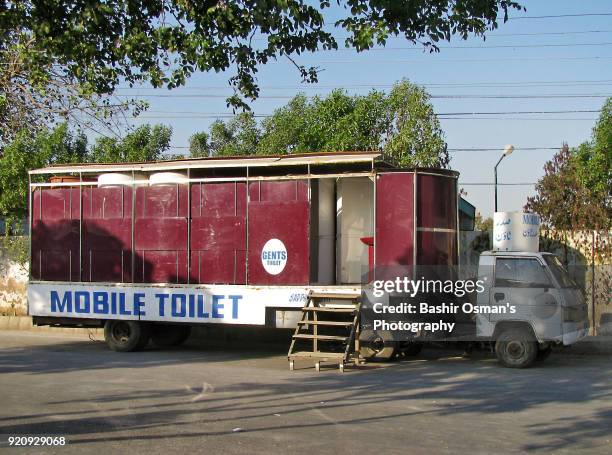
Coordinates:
[166,178]
[516,231]
[118,178]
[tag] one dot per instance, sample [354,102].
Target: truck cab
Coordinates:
[544,306]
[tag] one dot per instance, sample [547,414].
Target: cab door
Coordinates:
[524,282]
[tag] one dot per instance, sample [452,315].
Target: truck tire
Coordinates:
[166,335]
[516,348]
[126,336]
[377,346]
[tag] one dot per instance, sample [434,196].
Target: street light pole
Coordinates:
[507,151]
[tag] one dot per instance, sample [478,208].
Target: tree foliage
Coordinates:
[594,158]
[99,44]
[34,94]
[198,145]
[145,143]
[575,192]
[402,123]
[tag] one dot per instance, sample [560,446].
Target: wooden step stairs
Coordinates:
[328,330]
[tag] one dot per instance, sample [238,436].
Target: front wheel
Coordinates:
[516,348]
[126,336]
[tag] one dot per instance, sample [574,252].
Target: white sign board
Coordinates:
[215,303]
[516,231]
[274,256]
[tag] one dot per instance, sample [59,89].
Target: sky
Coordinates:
[568,57]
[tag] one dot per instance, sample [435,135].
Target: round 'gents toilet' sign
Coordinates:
[274,256]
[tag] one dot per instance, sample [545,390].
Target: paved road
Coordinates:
[241,401]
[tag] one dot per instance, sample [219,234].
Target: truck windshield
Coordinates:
[557,269]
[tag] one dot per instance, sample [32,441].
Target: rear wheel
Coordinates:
[126,336]
[375,347]
[166,335]
[516,348]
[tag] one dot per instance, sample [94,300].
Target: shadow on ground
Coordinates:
[463,387]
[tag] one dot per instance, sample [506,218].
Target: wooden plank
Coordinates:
[329,310]
[317,355]
[322,295]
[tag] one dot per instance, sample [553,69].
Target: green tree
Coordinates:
[563,202]
[145,143]
[239,136]
[198,145]
[594,158]
[98,44]
[29,152]
[336,122]
[483,224]
[402,124]
[575,192]
[415,137]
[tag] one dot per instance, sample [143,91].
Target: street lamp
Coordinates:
[507,151]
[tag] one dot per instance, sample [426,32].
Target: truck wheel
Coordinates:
[126,336]
[543,354]
[516,348]
[374,347]
[165,336]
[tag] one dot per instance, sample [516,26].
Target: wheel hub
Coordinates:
[121,332]
[515,349]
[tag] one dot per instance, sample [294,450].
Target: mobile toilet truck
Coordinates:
[147,250]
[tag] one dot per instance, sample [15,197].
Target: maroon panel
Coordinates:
[216,200]
[163,201]
[394,242]
[155,266]
[437,202]
[55,234]
[107,203]
[218,266]
[279,210]
[55,204]
[114,266]
[107,250]
[107,234]
[279,191]
[55,265]
[160,233]
[218,233]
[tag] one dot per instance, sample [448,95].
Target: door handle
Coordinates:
[499,296]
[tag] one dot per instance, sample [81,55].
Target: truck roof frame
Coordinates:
[373,158]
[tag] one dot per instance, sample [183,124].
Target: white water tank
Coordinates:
[165,178]
[120,178]
[516,231]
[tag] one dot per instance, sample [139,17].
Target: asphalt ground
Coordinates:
[244,400]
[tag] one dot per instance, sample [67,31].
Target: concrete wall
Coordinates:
[13,281]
